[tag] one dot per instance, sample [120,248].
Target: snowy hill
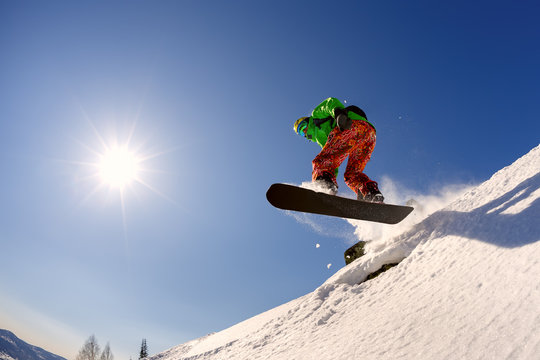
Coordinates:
[467,287]
[13,348]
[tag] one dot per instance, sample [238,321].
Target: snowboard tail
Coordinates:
[290,197]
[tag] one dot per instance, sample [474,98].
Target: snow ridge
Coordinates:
[11,347]
[467,286]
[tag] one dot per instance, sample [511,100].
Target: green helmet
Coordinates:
[300,125]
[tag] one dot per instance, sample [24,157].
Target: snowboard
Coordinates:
[295,198]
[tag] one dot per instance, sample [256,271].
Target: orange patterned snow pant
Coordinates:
[357,143]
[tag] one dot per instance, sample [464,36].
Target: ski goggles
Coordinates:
[300,126]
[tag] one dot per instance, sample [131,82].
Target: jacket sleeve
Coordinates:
[326,108]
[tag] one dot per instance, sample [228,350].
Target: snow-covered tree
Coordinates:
[90,350]
[107,353]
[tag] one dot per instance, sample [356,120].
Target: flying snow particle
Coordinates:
[328,266]
[318,246]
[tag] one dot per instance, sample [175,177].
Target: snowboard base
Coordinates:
[295,198]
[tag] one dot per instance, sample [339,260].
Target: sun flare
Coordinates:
[118,167]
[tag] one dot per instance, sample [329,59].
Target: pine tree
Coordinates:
[144,350]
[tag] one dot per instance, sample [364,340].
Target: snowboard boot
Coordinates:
[327,183]
[370,193]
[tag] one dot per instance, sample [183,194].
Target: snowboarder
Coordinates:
[341,131]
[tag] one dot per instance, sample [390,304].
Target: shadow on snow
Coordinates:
[489,223]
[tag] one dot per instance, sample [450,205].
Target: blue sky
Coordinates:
[208,90]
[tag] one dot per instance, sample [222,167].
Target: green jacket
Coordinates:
[322,120]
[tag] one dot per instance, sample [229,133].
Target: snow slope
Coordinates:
[13,348]
[467,287]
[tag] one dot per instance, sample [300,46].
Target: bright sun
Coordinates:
[118,167]
[120,164]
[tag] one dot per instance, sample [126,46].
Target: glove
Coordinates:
[342,120]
